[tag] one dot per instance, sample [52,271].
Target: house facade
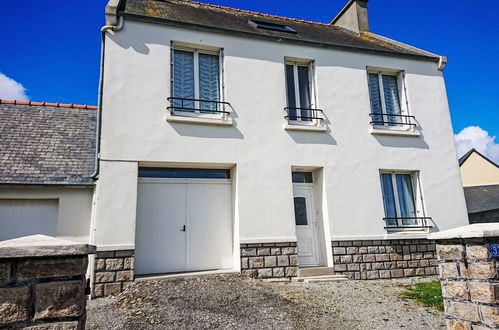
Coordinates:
[237,140]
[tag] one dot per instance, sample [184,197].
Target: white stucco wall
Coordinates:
[74,212]
[137,83]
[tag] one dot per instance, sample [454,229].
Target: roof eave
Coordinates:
[38,184]
[170,22]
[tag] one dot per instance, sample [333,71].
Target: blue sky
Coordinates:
[51,48]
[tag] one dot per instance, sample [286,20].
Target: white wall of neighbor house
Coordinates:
[74,207]
[136,87]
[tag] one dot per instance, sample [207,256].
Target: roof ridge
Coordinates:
[257,13]
[48,104]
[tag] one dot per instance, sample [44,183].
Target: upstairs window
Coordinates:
[402,200]
[300,90]
[388,101]
[196,82]
[271,26]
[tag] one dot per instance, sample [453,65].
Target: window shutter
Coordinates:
[406,198]
[209,80]
[375,97]
[392,98]
[388,198]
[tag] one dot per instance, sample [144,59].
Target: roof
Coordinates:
[46,143]
[482,198]
[463,159]
[230,20]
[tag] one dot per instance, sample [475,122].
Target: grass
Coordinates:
[428,294]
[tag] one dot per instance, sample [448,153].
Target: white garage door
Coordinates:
[23,217]
[183,224]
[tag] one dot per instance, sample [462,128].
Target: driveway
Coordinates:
[234,301]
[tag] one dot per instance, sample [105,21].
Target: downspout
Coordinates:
[103,31]
[442,62]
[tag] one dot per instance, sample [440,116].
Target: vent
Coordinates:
[270,26]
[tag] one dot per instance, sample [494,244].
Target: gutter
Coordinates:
[104,29]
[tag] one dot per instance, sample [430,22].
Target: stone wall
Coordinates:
[470,283]
[42,283]
[269,260]
[113,272]
[372,259]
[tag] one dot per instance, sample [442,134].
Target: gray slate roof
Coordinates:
[46,144]
[482,198]
[229,20]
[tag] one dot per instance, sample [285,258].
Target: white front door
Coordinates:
[183,225]
[306,225]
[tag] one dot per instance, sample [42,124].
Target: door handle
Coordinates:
[183,228]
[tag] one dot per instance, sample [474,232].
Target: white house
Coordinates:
[237,140]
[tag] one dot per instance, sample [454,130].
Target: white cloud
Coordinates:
[475,137]
[11,89]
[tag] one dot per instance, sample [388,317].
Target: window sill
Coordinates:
[308,128]
[395,132]
[217,121]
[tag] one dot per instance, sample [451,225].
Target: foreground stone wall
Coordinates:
[375,259]
[113,271]
[42,284]
[269,260]
[470,283]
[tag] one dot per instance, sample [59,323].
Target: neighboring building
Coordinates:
[480,177]
[230,137]
[478,170]
[47,155]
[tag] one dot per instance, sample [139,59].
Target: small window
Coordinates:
[402,200]
[302,177]
[299,91]
[301,211]
[196,82]
[183,173]
[387,97]
[271,26]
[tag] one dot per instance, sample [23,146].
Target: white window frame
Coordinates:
[196,51]
[418,202]
[402,91]
[311,80]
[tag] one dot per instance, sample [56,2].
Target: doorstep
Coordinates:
[140,278]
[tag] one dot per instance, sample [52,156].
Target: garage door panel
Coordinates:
[23,217]
[160,243]
[209,226]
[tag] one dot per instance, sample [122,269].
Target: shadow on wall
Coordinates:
[312,137]
[401,141]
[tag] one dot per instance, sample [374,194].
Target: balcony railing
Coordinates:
[408,222]
[303,114]
[190,105]
[384,119]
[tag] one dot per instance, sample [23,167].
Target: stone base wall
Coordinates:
[374,259]
[269,260]
[470,284]
[113,271]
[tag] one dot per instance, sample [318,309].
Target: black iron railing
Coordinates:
[303,114]
[384,119]
[408,222]
[185,104]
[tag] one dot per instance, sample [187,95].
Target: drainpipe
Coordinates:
[442,62]
[103,31]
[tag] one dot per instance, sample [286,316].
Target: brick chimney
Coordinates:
[353,16]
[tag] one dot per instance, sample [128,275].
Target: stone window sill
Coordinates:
[308,128]
[394,132]
[217,121]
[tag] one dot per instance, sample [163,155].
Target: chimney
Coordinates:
[353,16]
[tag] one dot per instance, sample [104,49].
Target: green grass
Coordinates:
[428,294]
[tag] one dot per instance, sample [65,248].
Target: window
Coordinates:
[271,26]
[183,173]
[387,99]
[300,91]
[196,82]
[302,177]
[402,200]
[301,211]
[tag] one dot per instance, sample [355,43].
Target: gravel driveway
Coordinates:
[234,301]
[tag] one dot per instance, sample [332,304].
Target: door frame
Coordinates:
[318,226]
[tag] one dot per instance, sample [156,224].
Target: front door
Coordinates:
[306,225]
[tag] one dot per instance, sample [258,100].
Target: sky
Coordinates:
[50,50]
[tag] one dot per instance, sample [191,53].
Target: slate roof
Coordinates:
[46,143]
[482,198]
[230,20]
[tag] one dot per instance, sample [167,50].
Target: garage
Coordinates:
[23,217]
[184,221]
